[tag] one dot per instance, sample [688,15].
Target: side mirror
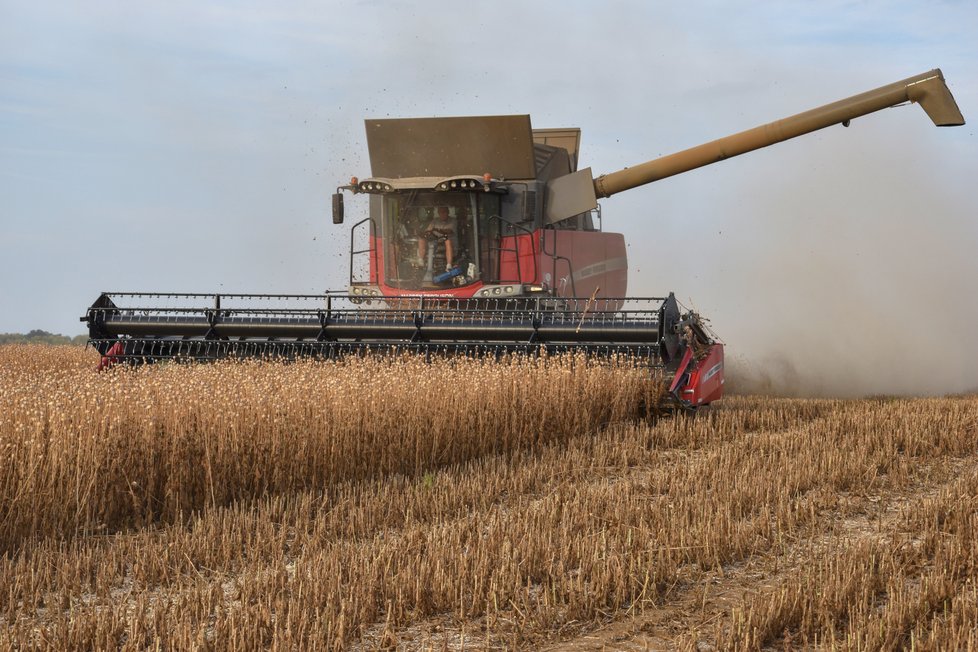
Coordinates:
[338,208]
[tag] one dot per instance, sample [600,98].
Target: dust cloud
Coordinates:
[853,275]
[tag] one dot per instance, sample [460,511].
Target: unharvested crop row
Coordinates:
[82,452]
[523,545]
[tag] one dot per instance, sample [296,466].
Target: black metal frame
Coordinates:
[211,326]
[371,250]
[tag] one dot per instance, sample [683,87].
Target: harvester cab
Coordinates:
[473,207]
[482,237]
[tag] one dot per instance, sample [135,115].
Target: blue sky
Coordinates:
[193,146]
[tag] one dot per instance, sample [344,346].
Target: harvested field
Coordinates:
[387,504]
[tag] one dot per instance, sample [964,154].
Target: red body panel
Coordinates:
[700,383]
[111,356]
[585,261]
[595,260]
[448,292]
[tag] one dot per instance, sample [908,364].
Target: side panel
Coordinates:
[585,261]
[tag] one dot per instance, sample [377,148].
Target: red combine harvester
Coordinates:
[482,237]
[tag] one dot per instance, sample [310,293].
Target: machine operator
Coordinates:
[442,228]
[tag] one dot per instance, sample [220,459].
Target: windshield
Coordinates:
[436,240]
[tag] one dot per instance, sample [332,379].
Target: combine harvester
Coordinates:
[482,237]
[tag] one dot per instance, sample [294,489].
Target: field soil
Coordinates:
[528,504]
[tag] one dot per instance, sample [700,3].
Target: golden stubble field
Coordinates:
[378,504]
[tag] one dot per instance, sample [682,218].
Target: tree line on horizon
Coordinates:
[38,336]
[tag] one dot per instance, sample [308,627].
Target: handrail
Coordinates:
[371,249]
[515,250]
[555,257]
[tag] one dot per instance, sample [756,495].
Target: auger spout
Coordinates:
[927,89]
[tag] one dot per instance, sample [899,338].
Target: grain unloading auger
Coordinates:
[482,237]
